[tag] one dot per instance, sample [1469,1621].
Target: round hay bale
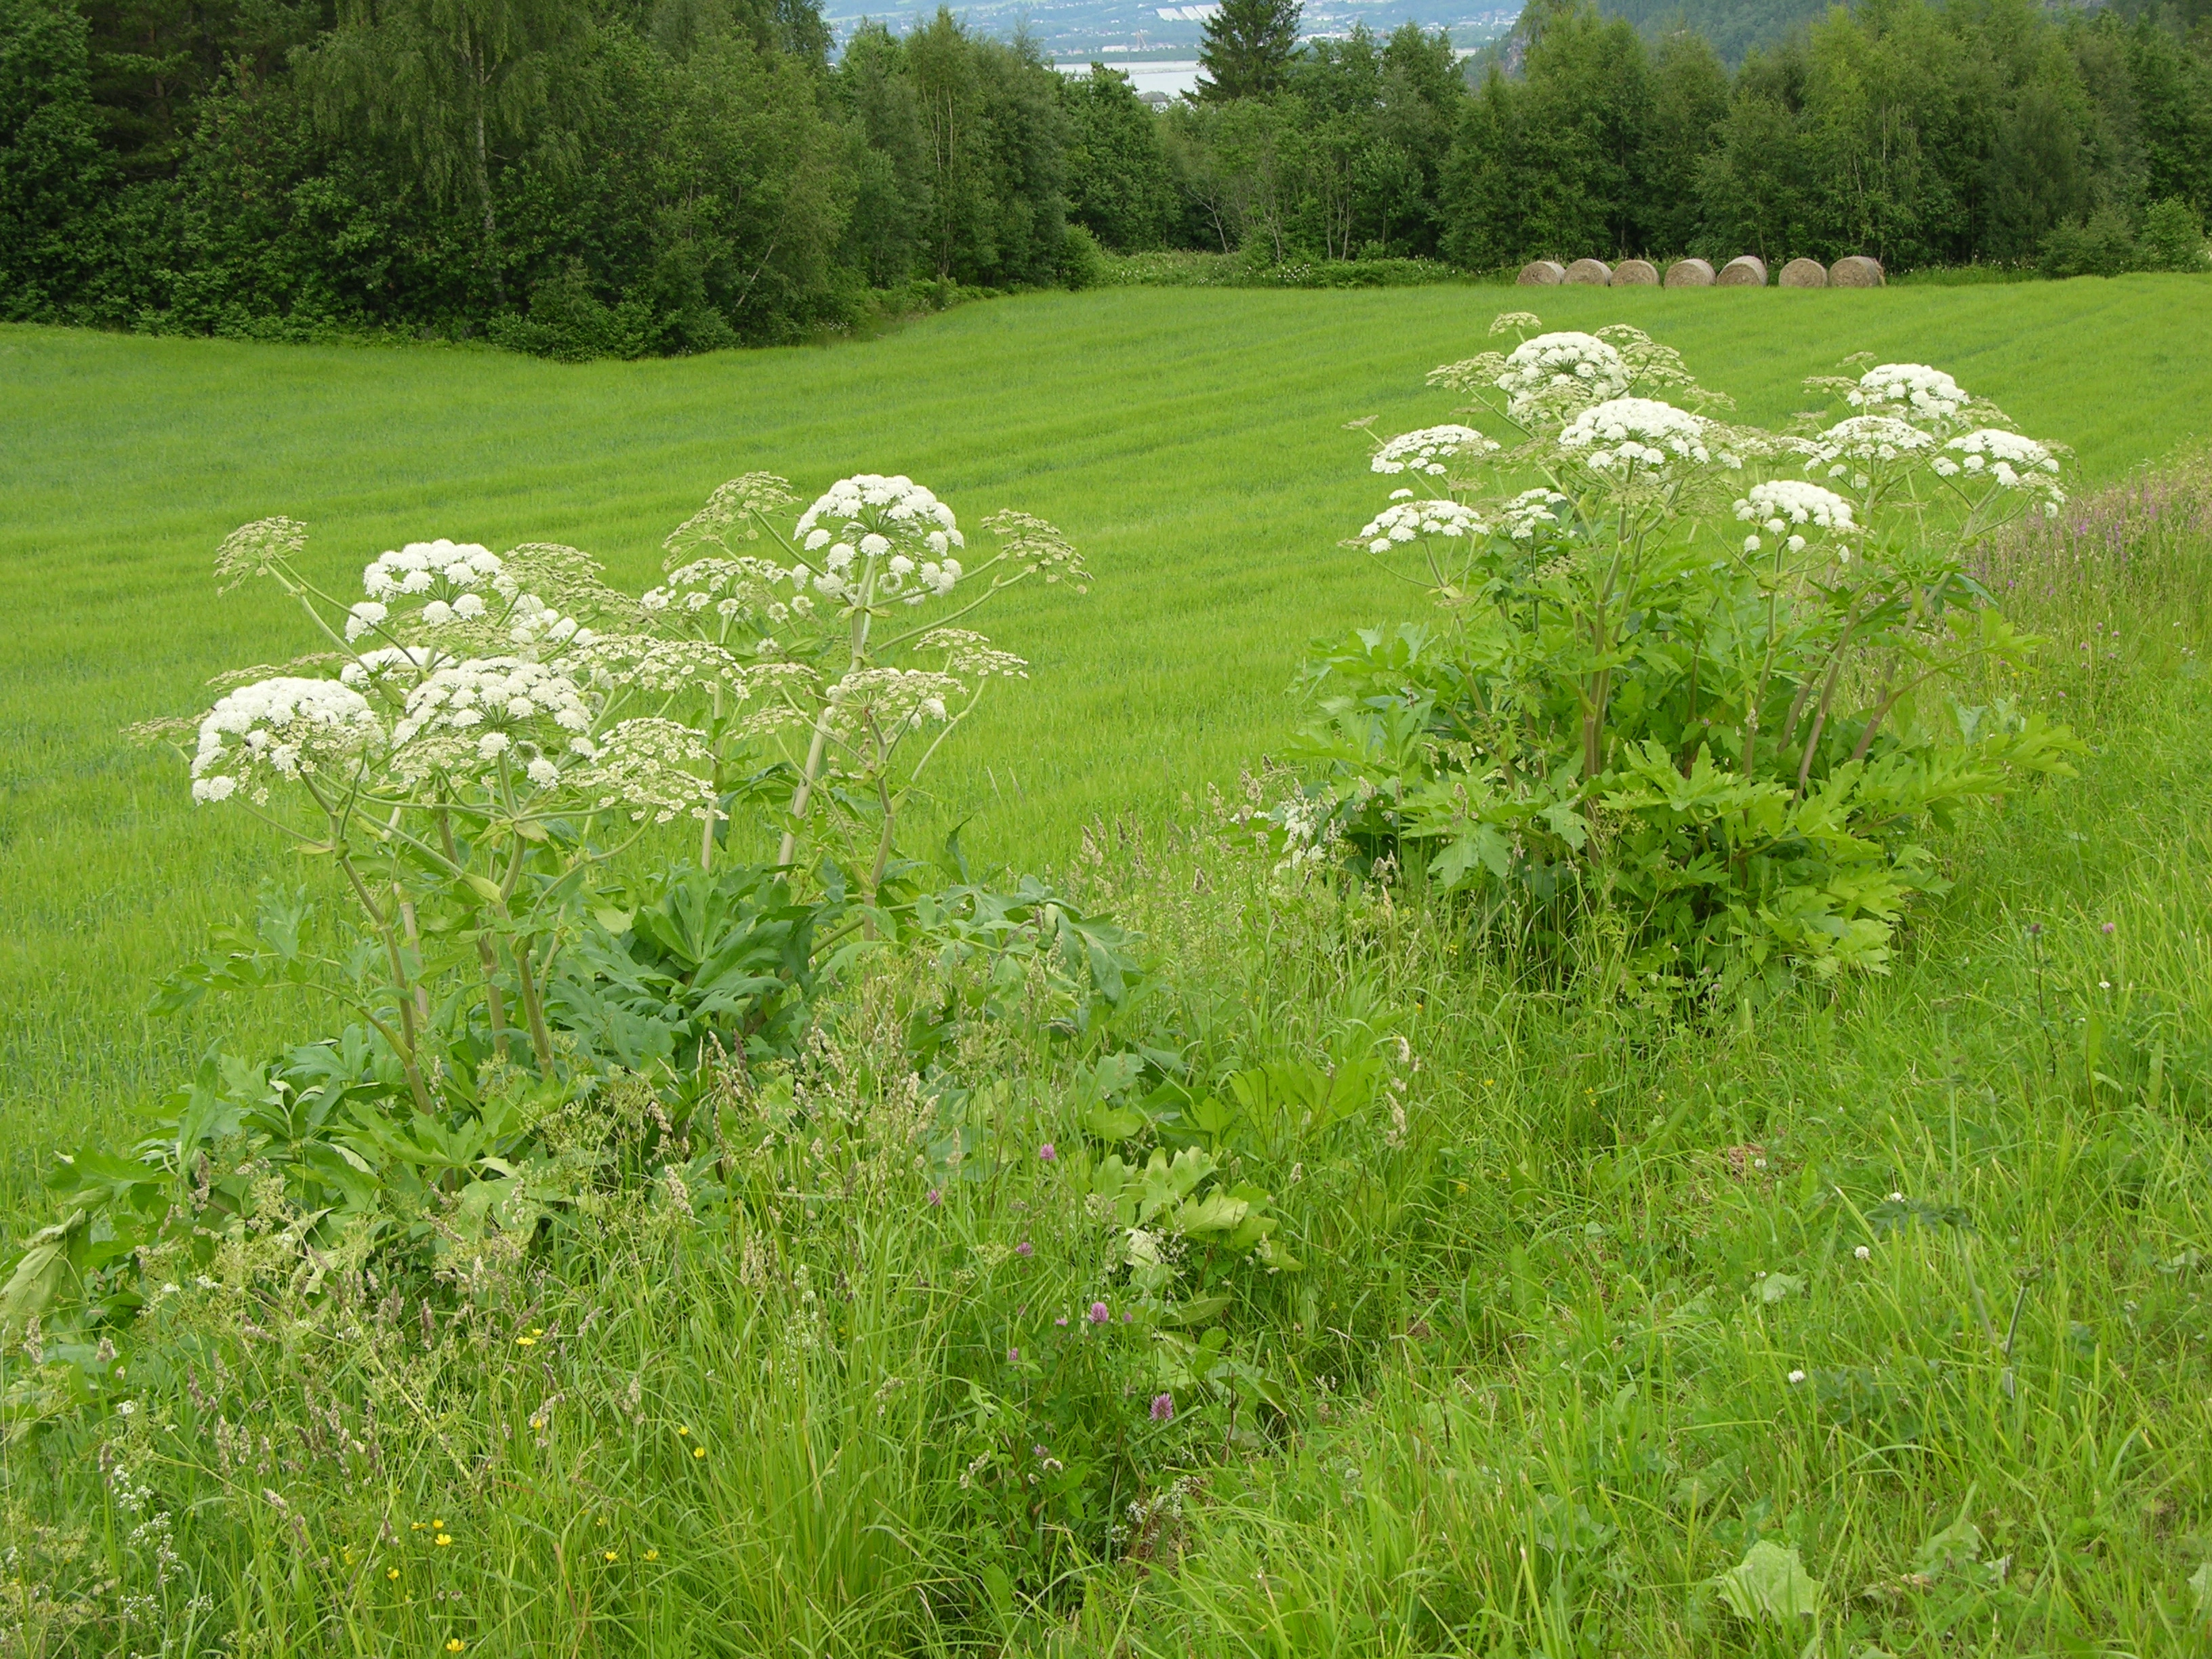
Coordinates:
[1745,270]
[1636,273]
[1542,273]
[1589,273]
[1689,273]
[1804,273]
[1855,271]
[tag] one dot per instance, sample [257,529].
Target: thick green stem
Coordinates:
[533,1009]
[495,1004]
[406,1047]
[819,746]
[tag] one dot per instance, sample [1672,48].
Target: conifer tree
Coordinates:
[1248,46]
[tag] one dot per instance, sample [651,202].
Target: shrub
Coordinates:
[1082,262]
[2100,245]
[2174,237]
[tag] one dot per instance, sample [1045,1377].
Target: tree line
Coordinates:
[583,177]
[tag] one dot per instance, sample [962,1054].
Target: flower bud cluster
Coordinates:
[969,653]
[886,703]
[653,769]
[726,588]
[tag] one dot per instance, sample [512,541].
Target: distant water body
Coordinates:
[1177,80]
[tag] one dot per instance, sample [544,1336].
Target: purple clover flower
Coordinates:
[1163,1407]
[1025,1248]
[1099,1314]
[1048,1153]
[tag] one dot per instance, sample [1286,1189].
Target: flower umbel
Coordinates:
[287,728]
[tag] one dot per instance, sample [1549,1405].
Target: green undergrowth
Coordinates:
[1190,441]
[1488,1306]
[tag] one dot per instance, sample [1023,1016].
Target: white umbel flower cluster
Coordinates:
[1912,390]
[1623,433]
[1787,507]
[442,568]
[389,672]
[535,627]
[1556,372]
[892,526]
[475,716]
[1786,502]
[1409,520]
[1423,451]
[2008,460]
[284,728]
[2006,455]
[1868,439]
[1530,512]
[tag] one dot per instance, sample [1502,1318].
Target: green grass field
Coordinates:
[1538,1397]
[1189,442]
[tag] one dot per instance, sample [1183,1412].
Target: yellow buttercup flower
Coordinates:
[609,1554]
[680,1429]
[442,1539]
[455,1645]
[653,1555]
[698,1451]
[391,1572]
[526,1341]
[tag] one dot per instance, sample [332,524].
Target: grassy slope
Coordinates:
[1503,1482]
[1189,441]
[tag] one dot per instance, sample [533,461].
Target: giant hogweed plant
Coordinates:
[480,738]
[1710,675]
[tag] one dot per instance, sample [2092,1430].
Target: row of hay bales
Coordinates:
[1746,270]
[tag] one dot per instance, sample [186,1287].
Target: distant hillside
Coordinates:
[1734,27]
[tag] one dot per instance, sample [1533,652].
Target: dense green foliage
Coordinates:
[1738,27]
[1920,135]
[671,176]
[1281,1266]
[576,182]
